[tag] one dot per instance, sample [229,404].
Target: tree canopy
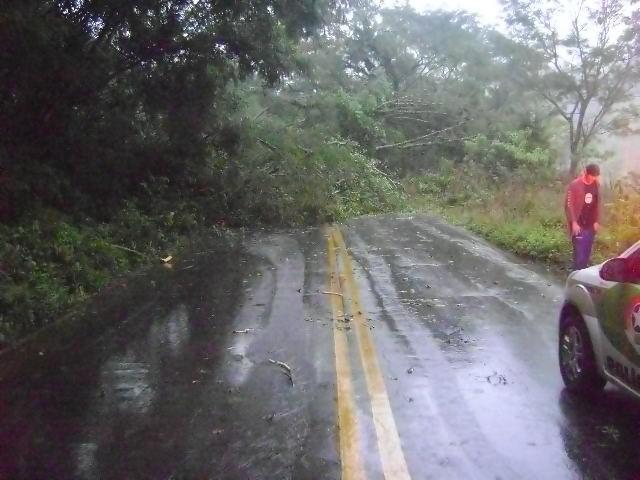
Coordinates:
[98,95]
[582,58]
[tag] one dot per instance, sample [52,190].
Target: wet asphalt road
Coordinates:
[416,352]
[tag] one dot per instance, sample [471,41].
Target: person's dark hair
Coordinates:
[592,169]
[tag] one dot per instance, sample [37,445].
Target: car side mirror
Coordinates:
[621,270]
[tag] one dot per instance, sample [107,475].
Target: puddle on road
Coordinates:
[129,382]
[126,385]
[171,332]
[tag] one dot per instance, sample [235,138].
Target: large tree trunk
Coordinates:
[576,138]
[574,146]
[574,162]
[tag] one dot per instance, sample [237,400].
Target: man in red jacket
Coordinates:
[582,207]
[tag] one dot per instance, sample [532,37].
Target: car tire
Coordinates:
[578,365]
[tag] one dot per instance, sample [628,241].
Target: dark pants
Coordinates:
[582,245]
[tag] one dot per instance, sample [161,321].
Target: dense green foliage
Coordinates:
[50,260]
[98,97]
[622,227]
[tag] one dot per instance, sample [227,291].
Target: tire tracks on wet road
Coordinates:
[388,442]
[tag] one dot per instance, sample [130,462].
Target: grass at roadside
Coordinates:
[52,262]
[526,218]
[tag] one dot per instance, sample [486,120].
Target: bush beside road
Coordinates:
[527,218]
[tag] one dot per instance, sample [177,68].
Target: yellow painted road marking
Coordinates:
[352,465]
[393,462]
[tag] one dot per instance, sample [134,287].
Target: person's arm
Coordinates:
[571,210]
[596,213]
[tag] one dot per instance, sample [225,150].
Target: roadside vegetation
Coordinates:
[524,214]
[132,128]
[519,210]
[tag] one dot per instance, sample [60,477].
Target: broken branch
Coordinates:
[126,249]
[286,369]
[271,147]
[413,141]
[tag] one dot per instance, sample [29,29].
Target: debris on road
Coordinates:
[453,331]
[497,379]
[246,330]
[332,293]
[611,431]
[286,369]
[410,370]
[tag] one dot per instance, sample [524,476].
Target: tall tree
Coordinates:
[97,95]
[582,58]
[448,82]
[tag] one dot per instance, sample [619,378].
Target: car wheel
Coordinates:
[577,360]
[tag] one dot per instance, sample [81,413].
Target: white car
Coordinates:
[600,326]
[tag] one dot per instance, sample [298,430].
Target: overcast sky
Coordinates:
[488,11]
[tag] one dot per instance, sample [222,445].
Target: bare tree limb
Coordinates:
[262,112]
[271,147]
[436,142]
[413,140]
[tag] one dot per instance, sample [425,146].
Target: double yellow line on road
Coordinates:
[345,300]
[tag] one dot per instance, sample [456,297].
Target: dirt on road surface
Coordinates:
[391,347]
